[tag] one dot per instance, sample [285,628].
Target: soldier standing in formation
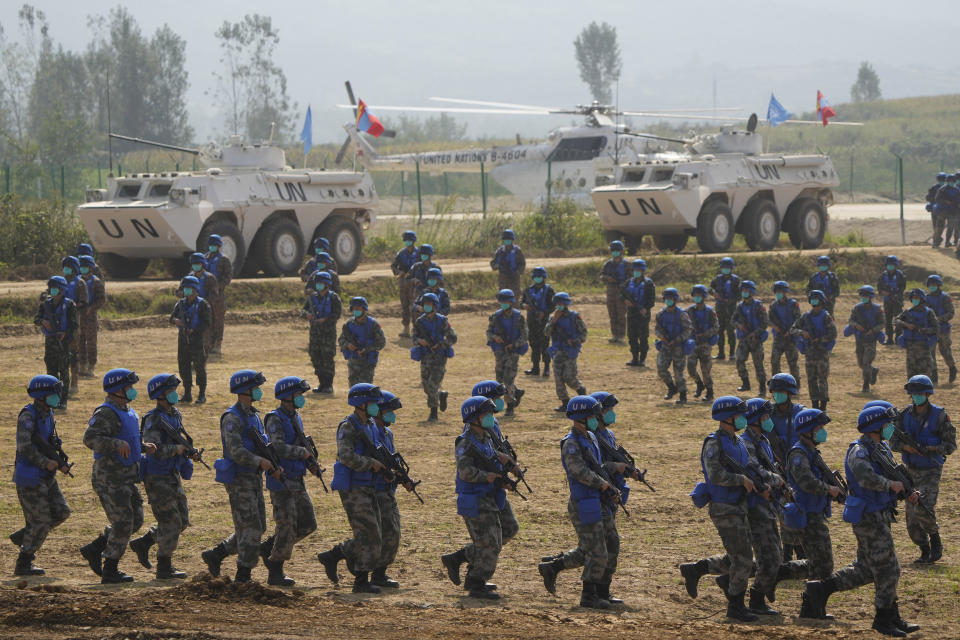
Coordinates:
[936,218]
[418,272]
[705,329]
[567,333]
[434,286]
[866,323]
[361,340]
[35,473]
[945,203]
[726,291]
[323,309]
[639,295]
[613,274]
[433,340]
[750,320]
[208,289]
[538,301]
[222,269]
[318,247]
[784,312]
[85,249]
[939,301]
[57,318]
[672,328]
[891,285]
[402,263]
[88,316]
[508,262]
[325,264]
[919,328]
[77,291]
[783,389]
[826,281]
[507,337]
[114,436]
[816,335]
[191,315]
[928,426]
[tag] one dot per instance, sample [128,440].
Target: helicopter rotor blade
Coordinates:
[504,105]
[353,101]
[342,151]
[520,112]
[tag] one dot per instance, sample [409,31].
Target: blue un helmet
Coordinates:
[321,276]
[87,261]
[474,407]
[748,285]
[640,264]
[919,384]
[320,244]
[727,262]
[561,298]
[781,285]
[57,282]
[190,281]
[430,298]
[508,234]
[288,386]
[244,380]
[410,235]
[783,382]
[539,272]
[616,245]
[362,394]
[580,408]
[875,418]
[727,407]
[436,273]
[607,402]
[823,260]
[935,279]
[325,258]
[388,402]
[359,301]
[757,408]
[506,295]
[816,294]
[116,379]
[84,249]
[867,291]
[161,383]
[672,293]
[72,263]
[44,385]
[917,294]
[426,249]
[698,290]
[198,258]
[809,420]
[892,259]
[215,240]
[493,390]
[942,176]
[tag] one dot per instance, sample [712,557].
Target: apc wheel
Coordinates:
[233,247]
[279,247]
[346,243]
[761,228]
[673,243]
[715,228]
[807,224]
[121,268]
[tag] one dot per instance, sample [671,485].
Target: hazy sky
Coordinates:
[518,51]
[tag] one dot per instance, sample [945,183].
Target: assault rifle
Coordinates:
[182,438]
[53,449]
[898,473]
[396,470]
[611,496]
[620,455]
[778,447]
[492,466]
[503,446]
[909,440]
[313,463]
[833,478]
[265,450]
[747,471]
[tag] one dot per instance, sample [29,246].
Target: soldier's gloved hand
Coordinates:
[149,447]
[52,465]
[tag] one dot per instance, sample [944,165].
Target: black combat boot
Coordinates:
[953,374]
[434,416]
[744,383]
[17,537]
[266,548]
[762,387]
[709,396]
[380,578]
[936,547]
[93,552]
[736,609]
[635,362]
[214,557]
[187,395]
[692,572]
[202,398]
[924,555]
[590,599]
[546,368]
[555,556]
[452,562]
[141,547]
[276,576]
[723,581]
[671,391]
[509,413]
[25,566]
[700,388]
[518,396]
[361,584]
[477,588]
[758,604]
[243,574]
[883,623]
[442,399]
[166,570]
[720,354]
[682,399]
[876,371]
[112,574]
[581,390]
[787,552]
[533,371]
[548,571]
[603,591]
[330,559]
[865,388]
[900,623]
[815,598]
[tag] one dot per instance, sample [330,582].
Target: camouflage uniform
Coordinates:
[565,372]
[417,275]
[891,287]
[114,483]
[433,363]
[919,352]
[191,347]
[208,289]
[829,284]
[359,501]
[507,279]
[926,478]
[726,291]
[442,295]
[218,303]
[359,368]
[783,315]
[614,273]
[750,344]
[816,536]
[44,506]
[873,320]
[90,323]
[942,306]
[81,300]
[816,359]
[399,267]
[56,350]
[672,353]
[310,265]
[538,301]
[762,515]
[703,350]
[323,336]
[168,501]
[638,314]
[293,513]
[507,362]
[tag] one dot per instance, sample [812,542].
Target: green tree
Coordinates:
[867,86]
[598,57]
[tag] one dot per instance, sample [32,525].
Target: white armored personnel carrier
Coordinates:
[266,212]
[723,186]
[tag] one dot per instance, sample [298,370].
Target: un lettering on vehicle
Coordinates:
[642,206]
[144,228]
[767,171]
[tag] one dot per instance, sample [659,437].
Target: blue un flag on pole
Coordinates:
[776,114]
[307,134]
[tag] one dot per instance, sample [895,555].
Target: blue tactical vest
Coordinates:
[808,502]
[436,329]
[754,499]
[738,452]
[444,307]
[920,318]
[821,281]
[292,468]
[589,507]
[72,285]
[154,466]
[213,263]
[362,334]
[509,330]
[408,258]
[26,474]
[618,479]
[565,329]
[386,439]
[321,305]
[191,312]
[891,281]
[783,425]
[344,478]
[129,433]
[202,289]
[669,322]
[636,291]
[507,260]
[935,302]
[226,467]
[537,298]
[729,286]
[869,313]
[89,284]
[751,315]
[818,326]
[616,270]
[926,434]
[700,318]
[59,319]
[875,500]
[783,310]
[469,493]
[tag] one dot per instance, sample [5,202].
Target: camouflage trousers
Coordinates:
[56,357]
[598,547]
[323,349]
[168,501]
[249,518]
[192,357]
[505,371]
[945,347]
[792,537]
[919,359]
[767,548]
[359,370]
[565,374]
[44,508]
[638,333]
[538,341]
[866,354]
[366,522]
[75,354]
[737,562]
[728,331]
[89,330]
[406,302]
[389,533]
[617,310]
[876,560]
[939,224]
[214,336]
[510,281]
[919,524]
[489,531]
[817,546]
[953,226]
[785,347]
[432,370]
[123,506]
[702,355]
[293,517]
[672,355]
[751,349]
[817,366]
[892,307]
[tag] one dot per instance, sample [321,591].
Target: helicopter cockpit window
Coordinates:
[160,190]
[577,149]
[128,190]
